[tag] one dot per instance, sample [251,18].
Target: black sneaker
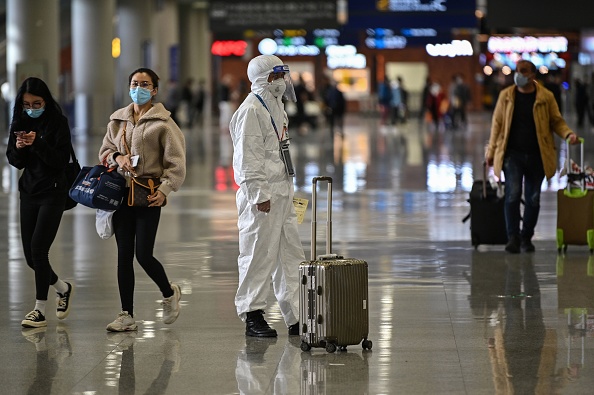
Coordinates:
[34,320]
[513,245]
[527,245]
[63,301]
[294,329]
[256,325]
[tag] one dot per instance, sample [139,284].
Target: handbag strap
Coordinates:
[124,142]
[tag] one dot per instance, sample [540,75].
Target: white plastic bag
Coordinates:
[103,223]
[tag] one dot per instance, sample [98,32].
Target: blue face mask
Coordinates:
[520,80]
[35,112]
[140,95]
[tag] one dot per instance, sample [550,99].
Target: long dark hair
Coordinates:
[37,87]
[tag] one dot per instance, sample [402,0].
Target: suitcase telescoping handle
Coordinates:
[485,165]
[314,216]
[568,191]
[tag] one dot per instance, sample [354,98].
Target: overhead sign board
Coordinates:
[437,14]
[240,15]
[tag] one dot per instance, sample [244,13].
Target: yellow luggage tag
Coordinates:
[300,208]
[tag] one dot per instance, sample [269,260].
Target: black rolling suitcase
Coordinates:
[333,296]
[487,217]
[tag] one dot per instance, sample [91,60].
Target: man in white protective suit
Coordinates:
[269,246]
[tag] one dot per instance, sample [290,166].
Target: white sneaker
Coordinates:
[123,322]
[171,305]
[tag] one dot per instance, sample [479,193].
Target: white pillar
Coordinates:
[134,31]
[166,51]
[92,64]
[32,42]
[195,43]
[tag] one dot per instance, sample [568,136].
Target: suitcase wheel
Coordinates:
[305,346]
[367,344]
[330,347]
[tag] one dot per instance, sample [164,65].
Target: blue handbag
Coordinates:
[99,187]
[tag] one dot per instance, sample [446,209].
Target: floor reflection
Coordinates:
[122,371]
[444,317]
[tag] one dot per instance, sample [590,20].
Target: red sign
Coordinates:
[228,48]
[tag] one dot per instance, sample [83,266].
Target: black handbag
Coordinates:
[99,187]
[72,170]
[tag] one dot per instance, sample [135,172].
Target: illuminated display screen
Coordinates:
[413,14]
[380,38]
[238,15]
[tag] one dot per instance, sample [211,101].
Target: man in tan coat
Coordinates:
[523,146]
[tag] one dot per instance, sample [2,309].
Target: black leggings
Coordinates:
[137,225]
[39,226]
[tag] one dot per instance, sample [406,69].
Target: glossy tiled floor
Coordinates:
[444,318]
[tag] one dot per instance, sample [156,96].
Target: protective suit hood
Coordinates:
[258,71]
[261,67]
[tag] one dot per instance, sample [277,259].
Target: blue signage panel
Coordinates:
[412,14]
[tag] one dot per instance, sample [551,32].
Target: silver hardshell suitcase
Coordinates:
[333,299]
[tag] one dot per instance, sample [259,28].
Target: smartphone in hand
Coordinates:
[19,133]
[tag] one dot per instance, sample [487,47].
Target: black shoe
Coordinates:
[527,245]
[513,245]
[294,329]
[256,325]
[35,319]
[63,302]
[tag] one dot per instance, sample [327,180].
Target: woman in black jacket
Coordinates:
[39,143]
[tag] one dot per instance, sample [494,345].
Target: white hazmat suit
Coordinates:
[269,244]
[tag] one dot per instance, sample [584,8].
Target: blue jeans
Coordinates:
[528,168]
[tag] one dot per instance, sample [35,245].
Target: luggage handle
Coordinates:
[568,192]
[485,180]
[314,220]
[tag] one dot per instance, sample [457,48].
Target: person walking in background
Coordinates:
[269,245]
[227,104]
[521,145]
[460,97]
[424,99]
[39,144]
[553,83]
[335,106]
[581,101]
[143,132]
[187,101]
[200,100]
[396,103]
[404,99]
[384,95]
[435,104]
[173,101]
[225,91]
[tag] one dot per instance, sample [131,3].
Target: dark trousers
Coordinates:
[135,230]
[527,169]
[39,226]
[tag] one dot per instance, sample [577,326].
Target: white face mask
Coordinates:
[277,87]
